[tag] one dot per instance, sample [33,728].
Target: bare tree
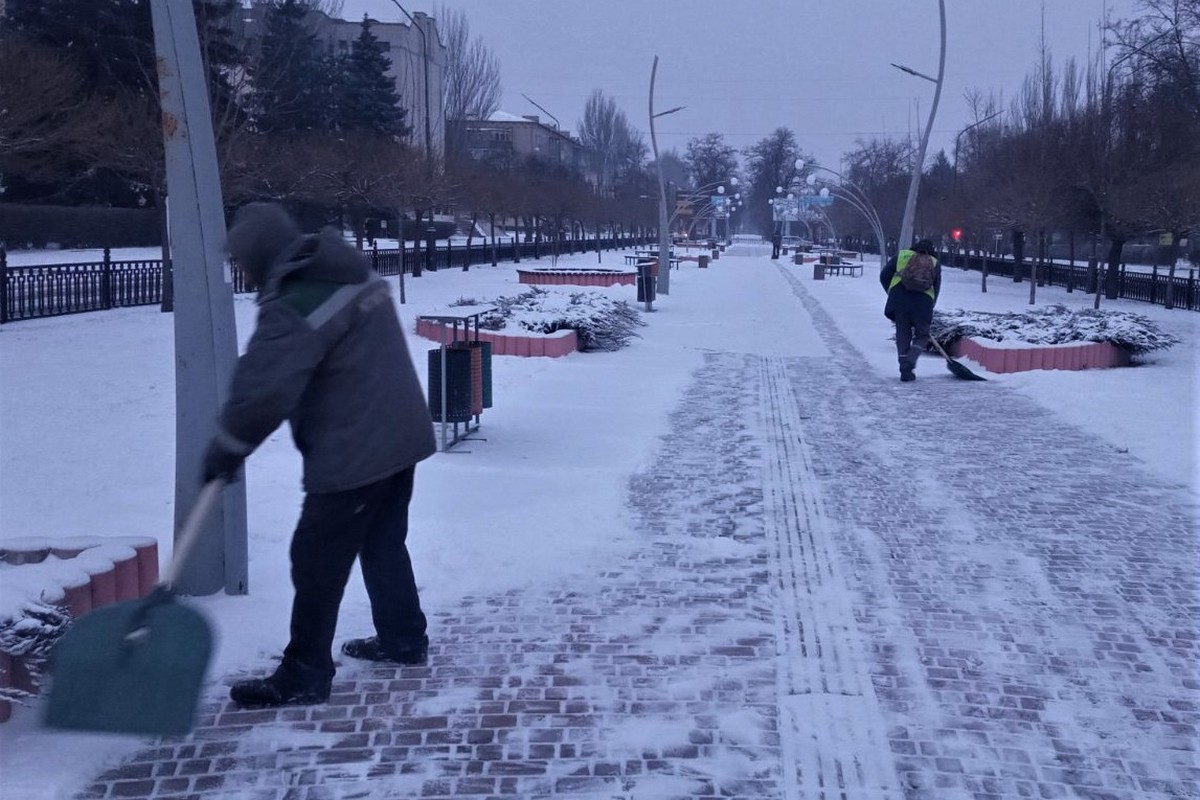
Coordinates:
[710,160]
[48,119]
[472,87]
[615,147]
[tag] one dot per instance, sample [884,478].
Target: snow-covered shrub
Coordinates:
[600,322]
[1054,324]
[30,636]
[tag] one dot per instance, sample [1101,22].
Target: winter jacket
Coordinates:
[917,306]
[328,355]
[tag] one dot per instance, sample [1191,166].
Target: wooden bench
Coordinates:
[638,260]
[853,270]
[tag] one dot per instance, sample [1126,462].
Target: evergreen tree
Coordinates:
[292,77]
[367,100]
[110,43]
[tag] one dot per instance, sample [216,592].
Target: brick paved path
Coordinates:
[797,623]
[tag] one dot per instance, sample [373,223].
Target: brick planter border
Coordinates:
[998,359]
[554,345]
[576,277]
[111,570]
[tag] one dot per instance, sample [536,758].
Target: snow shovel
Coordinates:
[957,369]
[136,667]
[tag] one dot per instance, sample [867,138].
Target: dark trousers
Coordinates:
[912,338]
[371,524]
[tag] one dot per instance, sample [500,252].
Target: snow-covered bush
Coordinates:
[30,636]
[1054,324]
[600,322]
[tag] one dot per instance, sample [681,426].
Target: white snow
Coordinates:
[87,448]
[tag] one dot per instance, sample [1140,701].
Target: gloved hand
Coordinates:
[220,463]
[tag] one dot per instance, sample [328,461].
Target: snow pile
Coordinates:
[1055,324]
[600,322]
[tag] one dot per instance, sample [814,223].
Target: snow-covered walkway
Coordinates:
[841,587]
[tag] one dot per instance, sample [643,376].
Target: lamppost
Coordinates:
[858,199]
[711,210]
[664,235]
[914,185]
[425,58]
[958,136]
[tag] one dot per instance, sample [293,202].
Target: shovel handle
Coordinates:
[939,348]
[189,534]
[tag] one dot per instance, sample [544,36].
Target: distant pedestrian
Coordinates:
[776,244]
[328,355]
[912,279]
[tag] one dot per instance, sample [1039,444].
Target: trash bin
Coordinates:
[647,281]
[476,355]
[716,254]
[703,262]
[458,384]
[818,271]
[798,259]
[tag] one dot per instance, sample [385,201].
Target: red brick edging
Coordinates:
[554,345]
[576,277]
[999,359]
[108,570]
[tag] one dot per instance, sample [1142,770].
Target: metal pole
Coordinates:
[914,185]
[425,58]
[205,329]
[664,236]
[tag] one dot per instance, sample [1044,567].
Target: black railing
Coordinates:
[1149,287]
[52,290]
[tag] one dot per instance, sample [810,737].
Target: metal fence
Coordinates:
[1156,286]
[52,290]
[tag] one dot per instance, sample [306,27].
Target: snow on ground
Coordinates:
[86,446]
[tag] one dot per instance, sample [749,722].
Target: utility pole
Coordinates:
[914,184]
[425,58]
[205,329]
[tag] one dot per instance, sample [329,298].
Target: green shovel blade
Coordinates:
[134,667]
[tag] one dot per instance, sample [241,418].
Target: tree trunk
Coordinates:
[418,215]
[1172,260]
[492,224]
[1018,241]
[1071,262]
[1112,276]
[1034,272]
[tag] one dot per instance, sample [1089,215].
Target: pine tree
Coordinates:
[292,77]
[367,100]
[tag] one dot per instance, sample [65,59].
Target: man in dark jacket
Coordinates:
[328,355]
[776,244]
[911,310]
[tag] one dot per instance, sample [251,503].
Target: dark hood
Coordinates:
[323,257]
[259,235]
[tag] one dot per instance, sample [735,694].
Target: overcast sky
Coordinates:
[746,67]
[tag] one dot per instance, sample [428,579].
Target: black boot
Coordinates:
[292,684]
[411,651]
[906,369]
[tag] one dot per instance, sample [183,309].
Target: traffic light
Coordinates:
[956,234]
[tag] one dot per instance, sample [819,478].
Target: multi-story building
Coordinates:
[505,137]
[415,49]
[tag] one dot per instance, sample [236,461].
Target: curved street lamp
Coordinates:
[914,184]
[425,58]
[664,235]
[694,194]
[856,198]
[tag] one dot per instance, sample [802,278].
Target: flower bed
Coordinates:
[577,277]
[47,580]
[554,345]
[1000,358]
